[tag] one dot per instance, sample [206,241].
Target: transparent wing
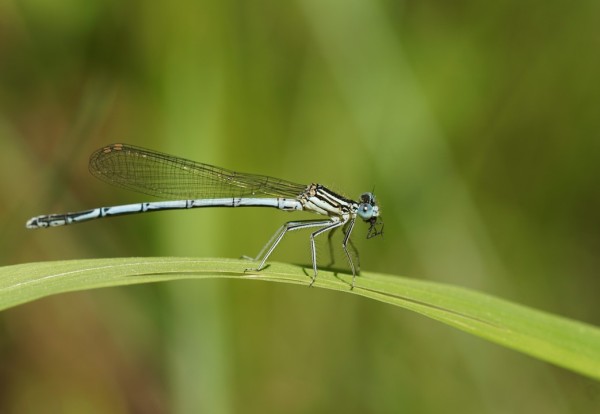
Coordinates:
[162,175]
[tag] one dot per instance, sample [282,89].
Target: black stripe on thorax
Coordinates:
[332,198]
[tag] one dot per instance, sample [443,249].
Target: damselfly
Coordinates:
[189,184]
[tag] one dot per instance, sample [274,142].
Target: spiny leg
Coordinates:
[269,243]
[278,236]
[330,243]
[356,255]
[352,246]
[345,247]
[313,251]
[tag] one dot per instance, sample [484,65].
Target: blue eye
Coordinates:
[367,208]
[365,211]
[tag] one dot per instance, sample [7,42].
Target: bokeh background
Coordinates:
[476,123]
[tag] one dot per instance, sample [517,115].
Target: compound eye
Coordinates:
[365,211]
[367,198]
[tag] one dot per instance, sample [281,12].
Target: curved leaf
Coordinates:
[567,343]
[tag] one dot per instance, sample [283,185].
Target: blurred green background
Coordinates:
[477,124]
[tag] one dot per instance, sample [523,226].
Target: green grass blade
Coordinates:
[567,343]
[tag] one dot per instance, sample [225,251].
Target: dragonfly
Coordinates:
[186,184]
